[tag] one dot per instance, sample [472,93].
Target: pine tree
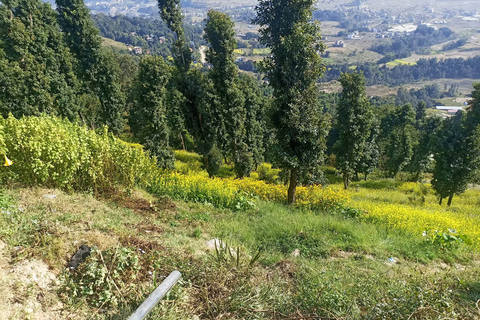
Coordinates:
[37,74]
[400,139]
[457,151]
[371,153]
[95,67]
[148,118]
[355,120]
[201,112]
[232,135]
[255,123]
[421,159]
[171,13]
[292,70]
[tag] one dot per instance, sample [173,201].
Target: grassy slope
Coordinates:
[342,270]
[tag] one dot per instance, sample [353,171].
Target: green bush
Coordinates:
[267,174]
[187,157]
[56,153]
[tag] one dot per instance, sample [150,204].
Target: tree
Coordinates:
[400,139]
[457,151]
[255,123]
[201,112]
[148,118]
[421,159]
[355,120]
[36,68]
[292,70]
[371,153]
[451,170]
[220,35]
[171,13]
[95,67]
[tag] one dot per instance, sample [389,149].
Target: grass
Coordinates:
[326,264]
[397,62]
[114,45]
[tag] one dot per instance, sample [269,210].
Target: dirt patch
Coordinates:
[27,289]
[141,244]
[286,268]
[341,255]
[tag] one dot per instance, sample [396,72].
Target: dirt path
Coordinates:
[203,57]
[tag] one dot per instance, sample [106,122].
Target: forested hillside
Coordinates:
[330,204]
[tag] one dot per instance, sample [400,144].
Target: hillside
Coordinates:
[303,255]
[384,249]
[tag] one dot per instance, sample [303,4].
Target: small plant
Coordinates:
[449,240]
[234,257]
[105,279]
[350,212]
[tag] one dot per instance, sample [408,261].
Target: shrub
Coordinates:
[214,161]
[187,157]
[56,153]
[266,173]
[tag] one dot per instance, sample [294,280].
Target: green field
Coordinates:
[398,62]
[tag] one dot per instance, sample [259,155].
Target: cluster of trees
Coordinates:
[425,69]
[135,31]
[422,38]
[404,139]
[427,94]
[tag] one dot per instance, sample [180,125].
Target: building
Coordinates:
[137,50]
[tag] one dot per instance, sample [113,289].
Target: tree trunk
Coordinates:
[183,142]
[417,176]
[366,175]
[356,176]
[450,200]
[292,188]
[441,199]
[345,180]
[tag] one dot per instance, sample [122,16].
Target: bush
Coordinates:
[266,173]
[56,153]
[214,162]
[187,157]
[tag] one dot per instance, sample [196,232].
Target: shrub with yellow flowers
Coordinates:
[394,208]
[56,153]
[238,193]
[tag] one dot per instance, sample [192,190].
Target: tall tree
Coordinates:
[171,13]
[355,120]
[457,151]
[371,153]
[95,67]
[399,138]
[220,35]
[201,111]
[292,69]
[255,124]
[421,159]
[36,68]
[148,117]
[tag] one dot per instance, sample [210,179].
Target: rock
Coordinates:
[50,196]
[210,244]
[82,253]
[295,253]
